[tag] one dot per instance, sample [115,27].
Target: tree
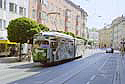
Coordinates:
[43,28]
[69,33]
[90,42]
[21,30]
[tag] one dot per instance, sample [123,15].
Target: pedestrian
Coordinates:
[29,55]
[122,51]
[122,48]
[12,51]
[17,51]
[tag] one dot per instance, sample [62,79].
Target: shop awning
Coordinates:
[6,42]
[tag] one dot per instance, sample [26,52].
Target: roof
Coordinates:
[56,34]
[6,42]
[76,6]
[118,20]
[73,4]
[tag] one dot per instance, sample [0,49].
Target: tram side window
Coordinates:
[44,44]
[53,44]
[37,44]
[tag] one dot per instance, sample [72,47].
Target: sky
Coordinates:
[101,12]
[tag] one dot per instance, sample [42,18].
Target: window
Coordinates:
[11,7]
[4,4]
[0,24]
[4,23]
[33,13]
[45,2]
[24,11]
[0,3]
[21,10]
[40,1]
[44,16]
[15,8]
[40,15]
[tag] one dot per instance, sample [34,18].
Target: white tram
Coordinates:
[49,47]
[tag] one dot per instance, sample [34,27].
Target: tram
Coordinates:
[50,47]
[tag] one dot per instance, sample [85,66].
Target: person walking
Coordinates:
[122,48]
[122,51]
[29,54]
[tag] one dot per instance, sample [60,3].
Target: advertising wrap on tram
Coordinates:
[53,47]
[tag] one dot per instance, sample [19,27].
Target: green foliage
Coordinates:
[81,38]
[69,33]
[85,40]
[43,28]
[90,42]
[60,31]
[73,35]
[22,29]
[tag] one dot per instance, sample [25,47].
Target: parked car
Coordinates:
[109,50]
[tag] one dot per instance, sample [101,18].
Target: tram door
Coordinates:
[53,45]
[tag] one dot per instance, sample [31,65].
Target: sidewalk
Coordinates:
[8,59]
[89,52]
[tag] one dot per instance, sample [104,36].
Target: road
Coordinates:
[99,68]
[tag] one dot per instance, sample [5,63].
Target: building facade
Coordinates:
[11,9]
[94,36]
[33,9]
[62,15]
[105,38]
[118,26]
[57,15]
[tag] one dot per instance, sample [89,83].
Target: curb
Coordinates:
[8,59]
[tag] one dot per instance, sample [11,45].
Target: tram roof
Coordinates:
[57,34]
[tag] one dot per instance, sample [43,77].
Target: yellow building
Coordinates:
[105,38]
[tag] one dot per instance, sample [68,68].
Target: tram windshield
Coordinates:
[41,44]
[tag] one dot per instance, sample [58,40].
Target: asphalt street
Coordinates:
[99,68]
